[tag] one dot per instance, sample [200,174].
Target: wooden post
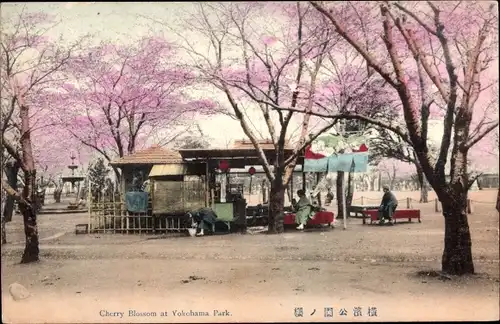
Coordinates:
[469,206]
[264,191]
[114,212]
[153,217]
[89,202]
[207,185]
[437,206]
[408,203]
[362,200]
[318,179]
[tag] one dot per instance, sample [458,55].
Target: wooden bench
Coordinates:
[358,210]
[398,214]
[322,217]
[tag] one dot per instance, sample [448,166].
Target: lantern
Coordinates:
[223,165]
[251,171]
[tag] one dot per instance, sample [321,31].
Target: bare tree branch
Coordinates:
[14,194]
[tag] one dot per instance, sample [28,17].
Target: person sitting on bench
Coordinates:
[387,206]
[303,210]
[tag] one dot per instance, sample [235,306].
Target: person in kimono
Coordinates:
[329,197]
[387,206]
[203,219]
[303,210]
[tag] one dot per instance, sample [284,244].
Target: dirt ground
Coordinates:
[254,276]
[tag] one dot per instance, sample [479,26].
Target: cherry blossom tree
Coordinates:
[262,55]
[439,55]
[31,67]
[119,95]
[248,59]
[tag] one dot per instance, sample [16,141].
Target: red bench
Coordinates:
[322,217]
[398,214]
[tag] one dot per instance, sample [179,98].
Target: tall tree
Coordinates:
[451,46]
[31,67]
[248,60]
[122,94]
[261,55]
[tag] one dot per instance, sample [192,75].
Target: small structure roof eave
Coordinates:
[149,156]
[249,154]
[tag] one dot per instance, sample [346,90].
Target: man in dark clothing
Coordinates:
[203,219]
[387,206]
[329,197]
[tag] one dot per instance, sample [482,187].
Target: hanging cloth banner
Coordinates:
[322,156]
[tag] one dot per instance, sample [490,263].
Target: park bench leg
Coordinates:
[409,219]
[419,220]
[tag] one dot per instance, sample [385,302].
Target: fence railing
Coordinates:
[113,217]
[408,201]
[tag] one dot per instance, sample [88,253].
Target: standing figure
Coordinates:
[387,206]
[203,219]
[329,197]
[303,210]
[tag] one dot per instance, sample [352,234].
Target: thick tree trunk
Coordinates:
[340,192]
[11,171]
[264,191]
[276,203]
[457,254]
[31,249]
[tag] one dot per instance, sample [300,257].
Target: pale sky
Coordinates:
[121,22]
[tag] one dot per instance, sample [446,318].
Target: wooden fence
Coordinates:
[113,217]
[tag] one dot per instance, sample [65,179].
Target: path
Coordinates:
[255,277]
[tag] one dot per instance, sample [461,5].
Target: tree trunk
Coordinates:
[276,204]
[4,232]
[457,254]
[264,191]
[498,200]
[31,249]
[118,178]
[392,177]
[340,193]
[11,170]
[379,181]
[424,189]
[350,190]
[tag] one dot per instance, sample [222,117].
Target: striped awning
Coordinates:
[159,170]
